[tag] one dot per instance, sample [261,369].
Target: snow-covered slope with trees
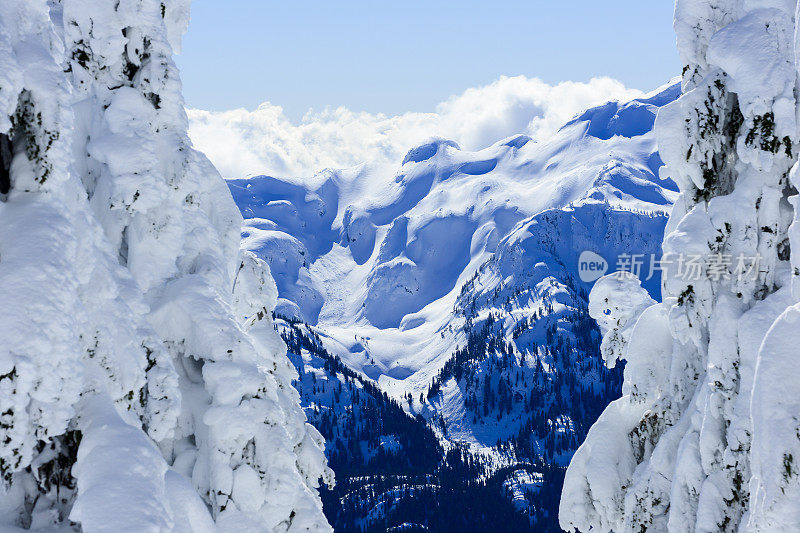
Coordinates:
[377,256]
[706,437]
[451,281]
[142,384]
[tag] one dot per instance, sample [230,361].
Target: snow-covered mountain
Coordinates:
[707,435]
[142,384]
[377,257]
[451,281]
[443,323]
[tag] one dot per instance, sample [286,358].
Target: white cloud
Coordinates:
[265,141]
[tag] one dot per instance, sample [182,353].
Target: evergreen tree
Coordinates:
[137,340]
[688,452]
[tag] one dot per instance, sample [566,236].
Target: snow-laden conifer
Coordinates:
[142,386]
[706,436]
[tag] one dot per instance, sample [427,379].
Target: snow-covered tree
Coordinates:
[142,385]
[707,434]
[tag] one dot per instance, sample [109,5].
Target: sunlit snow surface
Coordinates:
[376,256]
[142,384]
[705,436]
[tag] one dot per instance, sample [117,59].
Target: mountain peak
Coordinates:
[428,149]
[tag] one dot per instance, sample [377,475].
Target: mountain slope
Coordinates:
[392,470]
[451,282]
[376,257]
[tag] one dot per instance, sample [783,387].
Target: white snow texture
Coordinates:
[142,385]
[707,434]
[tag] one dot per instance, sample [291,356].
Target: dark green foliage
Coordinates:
[29,129]
[8,381]
[687,296]
[56,473]
[350,428]
[6,154]
[763,131]
[722,117]
[554,390]
[154,99]
[453,499]
[81,53]
[788,466]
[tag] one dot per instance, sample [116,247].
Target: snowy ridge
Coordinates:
[142,385]
[376,256]
[530,288]
[705,437]
[451,280]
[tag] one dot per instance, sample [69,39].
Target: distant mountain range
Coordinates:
[437,319]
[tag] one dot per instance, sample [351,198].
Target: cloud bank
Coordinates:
[241,142]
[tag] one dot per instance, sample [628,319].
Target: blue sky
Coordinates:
[395,57]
